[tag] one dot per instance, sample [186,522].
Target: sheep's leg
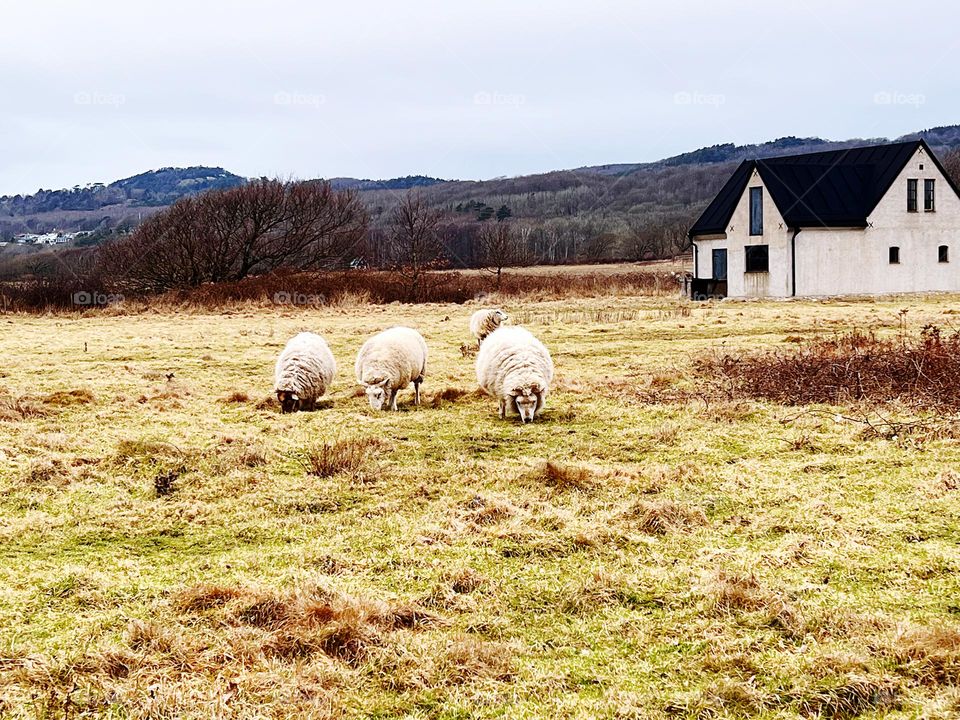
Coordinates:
[393,399]
[416,391]
[503,408]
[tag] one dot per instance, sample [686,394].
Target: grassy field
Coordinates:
[173,547]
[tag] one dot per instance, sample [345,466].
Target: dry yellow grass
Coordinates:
[172,546]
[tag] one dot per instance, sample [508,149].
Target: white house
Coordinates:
[862,221]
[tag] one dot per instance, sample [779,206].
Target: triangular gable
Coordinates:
[837,188]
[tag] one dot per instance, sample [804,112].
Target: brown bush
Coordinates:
[851,367]
[294,288]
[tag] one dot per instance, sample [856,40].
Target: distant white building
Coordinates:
[870,220]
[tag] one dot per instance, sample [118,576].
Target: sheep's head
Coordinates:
[527,400]
[500,317]
[377,393]
[289,401]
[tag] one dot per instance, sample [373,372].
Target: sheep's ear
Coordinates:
[384,382]
[295,397]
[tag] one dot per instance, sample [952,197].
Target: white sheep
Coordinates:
[514,367]
[305,371]
[388,362]
[485,321]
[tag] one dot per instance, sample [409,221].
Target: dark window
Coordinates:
[943,253]
[894,256]
[912,195]
[756,211]
[758,258]
[929,195]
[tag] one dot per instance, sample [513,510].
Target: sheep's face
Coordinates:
[289,401]
[526,401]
[500,317]
[377,395]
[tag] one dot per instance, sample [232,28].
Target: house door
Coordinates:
[720,264]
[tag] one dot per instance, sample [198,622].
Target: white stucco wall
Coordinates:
[853,261]
[740,283]
[848,262]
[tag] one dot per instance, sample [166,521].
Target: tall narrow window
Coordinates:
[757,258]
[930,195]
[912,195]
[894,256]
[943,253]
[756,211]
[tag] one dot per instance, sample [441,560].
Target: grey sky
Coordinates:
[96,91]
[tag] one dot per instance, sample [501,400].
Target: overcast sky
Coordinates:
[96,91]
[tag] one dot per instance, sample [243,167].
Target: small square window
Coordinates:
[943,254]
[894,256]
[757,258]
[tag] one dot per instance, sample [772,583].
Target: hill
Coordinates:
[629,210]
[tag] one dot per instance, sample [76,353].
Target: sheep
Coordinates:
[514,367]
[483,322]
[388,362]
[305,371]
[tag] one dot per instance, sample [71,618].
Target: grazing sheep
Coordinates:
[305,370]
[388,362]
[483,322]
[514,367]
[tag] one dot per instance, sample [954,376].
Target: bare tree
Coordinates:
[414,245]
[951,164]
[501,246]
[231,234]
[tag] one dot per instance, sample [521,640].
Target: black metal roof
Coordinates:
[838,188]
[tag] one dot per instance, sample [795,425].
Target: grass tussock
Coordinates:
[15,409]
[236,398]
[851,367]
[46,472]
[927,655]
[564,478]
[342,456]
[736,594]
[482,511]
[855,697]
[70,398]
[254,653]
[660,517]
[446,396]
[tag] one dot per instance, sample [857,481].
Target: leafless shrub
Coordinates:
[851,367]
[228,235]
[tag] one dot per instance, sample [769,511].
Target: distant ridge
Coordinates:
[592,201]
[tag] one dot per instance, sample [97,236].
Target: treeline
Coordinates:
[271,227]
